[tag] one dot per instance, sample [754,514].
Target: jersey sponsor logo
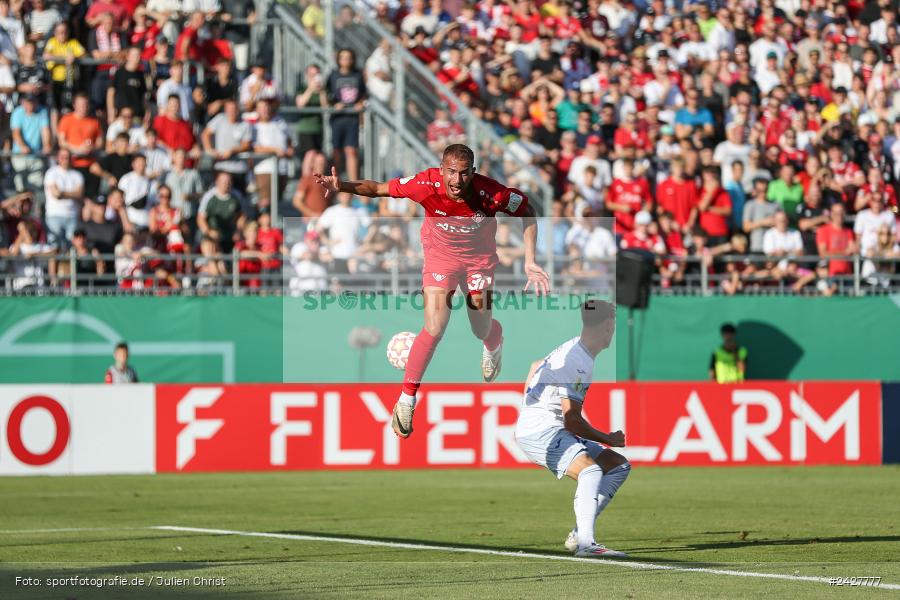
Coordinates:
[440,212]
[515,201]
[406,180]
[478,281]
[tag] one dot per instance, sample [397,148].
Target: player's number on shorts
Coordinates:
[477,282]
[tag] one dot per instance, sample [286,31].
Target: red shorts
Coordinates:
[475,276]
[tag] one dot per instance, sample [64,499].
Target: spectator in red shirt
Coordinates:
[678,196]
[640,237]
[144,33]
[250,263]
[187,47]
[833,239]
[215,49]
[626,196]
[627,136]
[456,74]
[714,207]
[174,132]
[271,242]
[99,8]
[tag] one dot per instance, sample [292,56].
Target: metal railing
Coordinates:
[150,272]
[387,151]
[418,93]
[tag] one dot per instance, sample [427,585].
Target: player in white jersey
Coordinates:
[554,434]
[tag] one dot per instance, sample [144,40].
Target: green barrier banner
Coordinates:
[273,339]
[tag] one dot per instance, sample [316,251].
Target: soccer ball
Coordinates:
[398,349]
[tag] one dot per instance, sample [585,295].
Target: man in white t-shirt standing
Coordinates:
[63,192]
[782,243]
[554,434]
[870,220]
[136,188]
[340,226]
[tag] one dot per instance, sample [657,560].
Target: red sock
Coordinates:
[419,356]
[495,336]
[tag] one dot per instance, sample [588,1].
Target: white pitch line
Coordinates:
[65,529]
[606,561]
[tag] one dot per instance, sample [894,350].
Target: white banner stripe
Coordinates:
[511,554]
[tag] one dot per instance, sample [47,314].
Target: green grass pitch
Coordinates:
[812,521]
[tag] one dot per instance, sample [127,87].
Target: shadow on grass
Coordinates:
[756,543]
[437,546]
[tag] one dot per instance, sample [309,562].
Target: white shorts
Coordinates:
[556,448]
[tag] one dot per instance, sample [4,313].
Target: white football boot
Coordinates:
[572,541]
[490,362]
[598,551]
[401,422]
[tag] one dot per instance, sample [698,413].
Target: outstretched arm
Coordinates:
[366,187]
[536,275]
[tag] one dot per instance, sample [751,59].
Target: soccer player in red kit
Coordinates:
[458,238]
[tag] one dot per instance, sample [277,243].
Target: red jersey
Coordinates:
[166,219]
[715,225]
[175,134]
[189,36]
[634,193]
[631,138]
[651,243]
[563,27]
[270,241]
[845,173]
[464,229]
[678,198]
[837,240]
[886,192]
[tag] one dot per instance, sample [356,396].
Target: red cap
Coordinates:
[311,235]
[594,139]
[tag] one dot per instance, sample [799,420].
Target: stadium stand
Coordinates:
[167,147]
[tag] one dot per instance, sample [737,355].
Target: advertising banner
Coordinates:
[341,426]
[76,429]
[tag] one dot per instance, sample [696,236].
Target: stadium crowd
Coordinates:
[745,134]
[757,142]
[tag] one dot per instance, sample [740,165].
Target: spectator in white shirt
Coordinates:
[341,228]
[309,273]
[63,193]
[270,136]
[209,8]
[226,136]
[782,243]
[760,49]
[733,149]
[591,157]
[136,188]
[12,24]
[767,74]
[379,82]
[255,88]
[124,123]
[878,30]
[417,18]
[869,220]
[158,159]
[174,85]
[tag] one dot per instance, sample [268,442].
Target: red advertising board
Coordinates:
[274,427]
